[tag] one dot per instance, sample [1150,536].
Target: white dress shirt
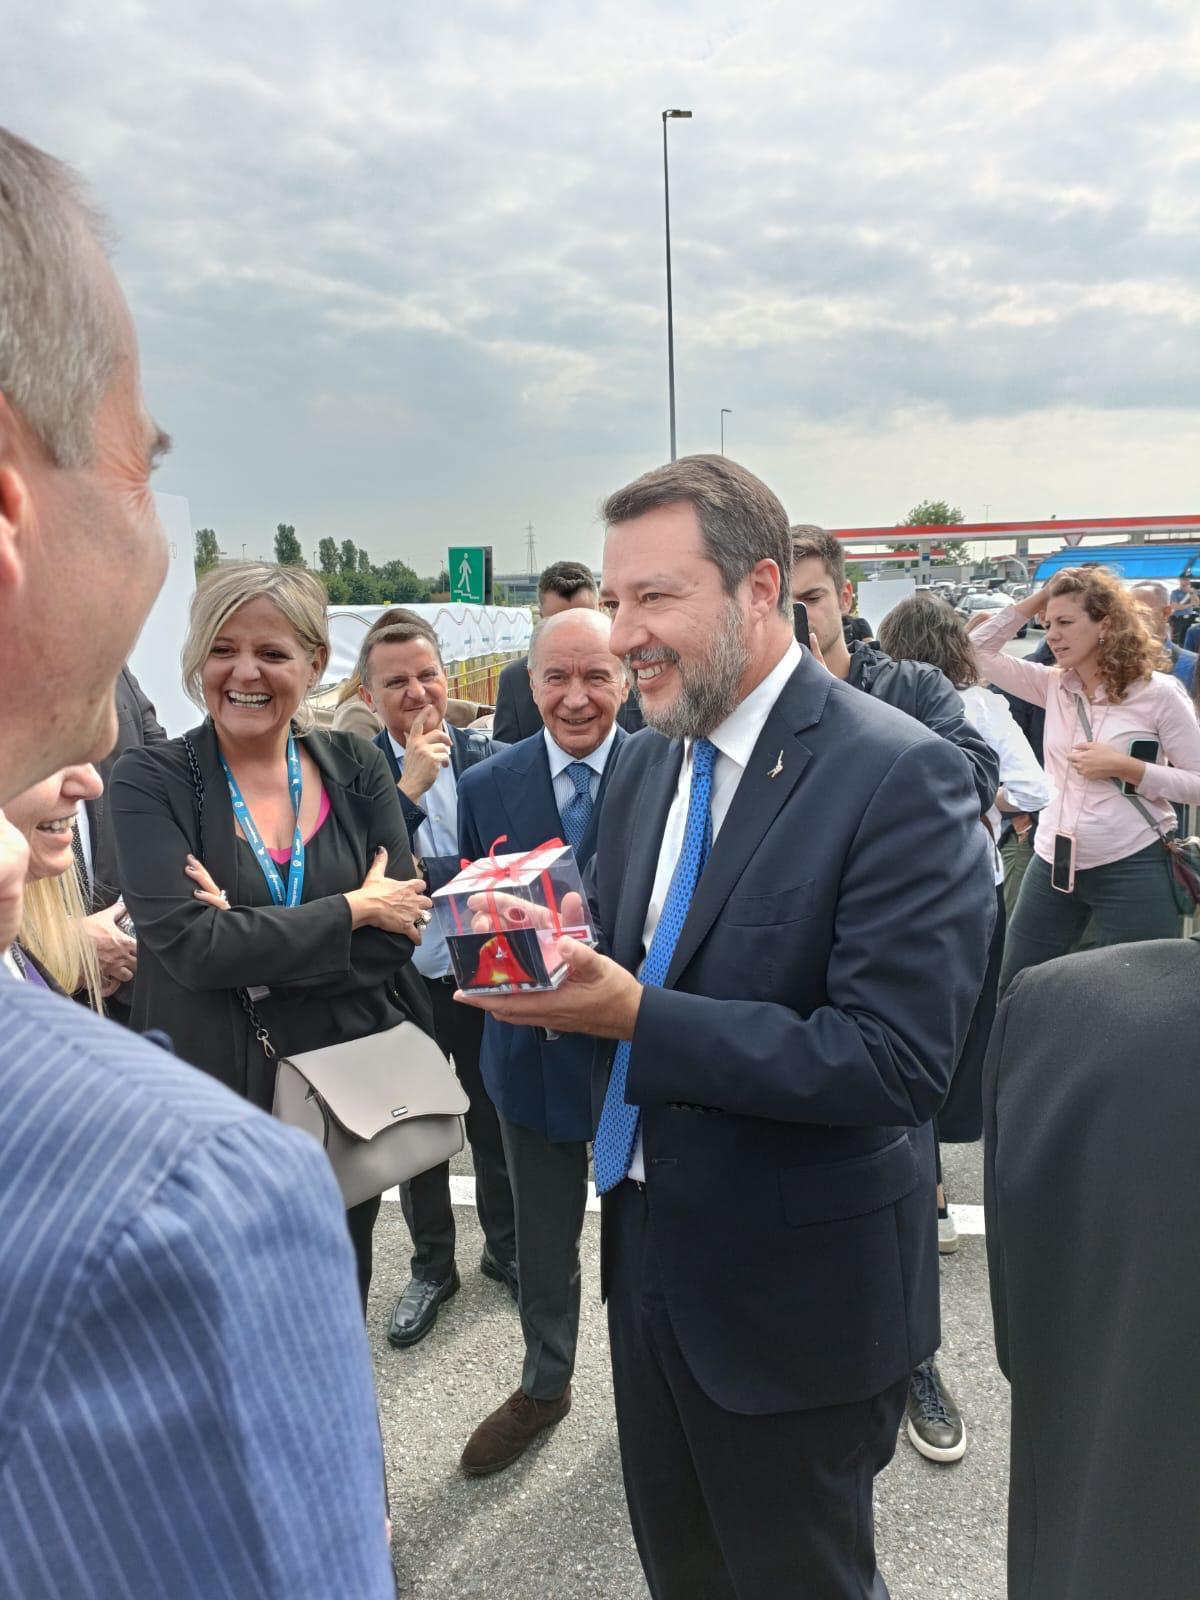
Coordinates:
[563,786]
[735,739]
[1024,783]
[437,836]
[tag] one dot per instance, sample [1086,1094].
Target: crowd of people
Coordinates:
[841,885]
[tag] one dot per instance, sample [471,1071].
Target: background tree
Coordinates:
[287,547]
[349,556]
[933,514]
[327,555]
[400,584]
[207,551]
[364,561]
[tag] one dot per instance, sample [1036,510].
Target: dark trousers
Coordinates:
[725,1506]
[549,1184]
[960,1121]
[426,1199]
[361,1222]
[1128,900]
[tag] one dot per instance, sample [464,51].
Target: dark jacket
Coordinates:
[925,692]
[517,716]
[327,981]
[789,1067]
[466,750]
[137,725]
[1091,1106]
[535,1082]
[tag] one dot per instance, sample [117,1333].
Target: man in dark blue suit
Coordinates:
[404,682]
[551,785]
[795,891]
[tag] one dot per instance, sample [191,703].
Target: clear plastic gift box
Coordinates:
[502,918]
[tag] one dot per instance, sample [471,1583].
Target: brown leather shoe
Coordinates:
[510,1430]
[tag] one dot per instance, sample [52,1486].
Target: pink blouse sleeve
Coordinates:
[1028,680]
[1179,735]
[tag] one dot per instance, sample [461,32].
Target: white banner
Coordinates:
[462,632]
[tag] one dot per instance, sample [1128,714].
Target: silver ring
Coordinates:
[223,896]
[421,920]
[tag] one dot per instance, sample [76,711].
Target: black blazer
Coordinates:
[137,725]
[328,982]
[466,750]
[810,1023]
[1091,1110]
[517,716]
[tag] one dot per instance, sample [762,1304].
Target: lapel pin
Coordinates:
[778,767]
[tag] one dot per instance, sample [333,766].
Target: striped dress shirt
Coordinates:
[186,1401]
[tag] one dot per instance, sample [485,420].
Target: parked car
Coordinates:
[986,600]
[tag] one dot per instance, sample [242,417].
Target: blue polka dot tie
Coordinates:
[612,1150]
[577,812]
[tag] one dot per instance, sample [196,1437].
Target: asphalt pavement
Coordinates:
[554,1526]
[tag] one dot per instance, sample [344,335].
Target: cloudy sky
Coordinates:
[398,270]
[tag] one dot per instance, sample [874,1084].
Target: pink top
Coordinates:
[282,857]
[1106,826]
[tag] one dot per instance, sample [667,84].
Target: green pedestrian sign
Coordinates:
[467,567]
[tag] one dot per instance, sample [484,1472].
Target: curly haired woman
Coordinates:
[1104,694]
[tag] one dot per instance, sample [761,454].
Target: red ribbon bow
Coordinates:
[501,872]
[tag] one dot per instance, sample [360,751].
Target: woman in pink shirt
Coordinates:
[1104,695]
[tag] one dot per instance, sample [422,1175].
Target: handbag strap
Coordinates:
[1134,800]
[256,1022]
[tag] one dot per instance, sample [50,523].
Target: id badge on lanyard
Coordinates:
[295,885]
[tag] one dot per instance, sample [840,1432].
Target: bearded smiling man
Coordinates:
[784,869]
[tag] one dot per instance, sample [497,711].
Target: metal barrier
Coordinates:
[478,678]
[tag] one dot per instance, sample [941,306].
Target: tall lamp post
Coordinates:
[726,411]
[666,116]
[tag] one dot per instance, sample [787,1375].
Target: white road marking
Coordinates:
[968,1219]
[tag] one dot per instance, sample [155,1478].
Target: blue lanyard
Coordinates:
[295,888]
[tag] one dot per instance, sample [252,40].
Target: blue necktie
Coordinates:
[577,812]
[612,1149]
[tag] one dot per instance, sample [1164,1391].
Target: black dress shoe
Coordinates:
[416,1310]
[499,1271]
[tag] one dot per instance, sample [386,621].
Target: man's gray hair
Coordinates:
[1156,593]
[59,322]
[741,521]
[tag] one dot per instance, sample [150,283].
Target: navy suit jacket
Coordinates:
[466,750]
[806,1034]
[155,1376]
[537,1083]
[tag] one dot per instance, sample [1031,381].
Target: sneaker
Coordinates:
[935,1427]
[947,1232]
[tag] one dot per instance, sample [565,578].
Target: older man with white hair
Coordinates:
[1155,600]
[551,784]
[168,1423]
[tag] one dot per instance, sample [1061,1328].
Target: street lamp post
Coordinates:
[726,411]
[670,311]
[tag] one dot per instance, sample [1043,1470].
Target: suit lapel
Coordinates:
[646,821]
[218,840]
[342,776]
[385,744]
[776,764]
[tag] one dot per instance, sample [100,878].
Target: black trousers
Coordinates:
[549,1184]
[361,1222]
[725,1506]
[426,1199]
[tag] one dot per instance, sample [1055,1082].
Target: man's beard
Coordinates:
[709,689]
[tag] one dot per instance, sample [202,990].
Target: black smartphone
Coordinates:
[800,622]
[1062,871]
[1141,750]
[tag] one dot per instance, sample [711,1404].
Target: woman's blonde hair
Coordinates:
[1129,650]
[295,594]
[52,930]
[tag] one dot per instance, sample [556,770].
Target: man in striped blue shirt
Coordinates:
[172,1422]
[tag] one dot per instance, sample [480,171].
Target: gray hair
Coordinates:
[60,331]
[741,521]
[295,594]
[399,631]
[579,617]
[1157,594]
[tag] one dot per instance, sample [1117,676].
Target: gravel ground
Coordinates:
[554,1526]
